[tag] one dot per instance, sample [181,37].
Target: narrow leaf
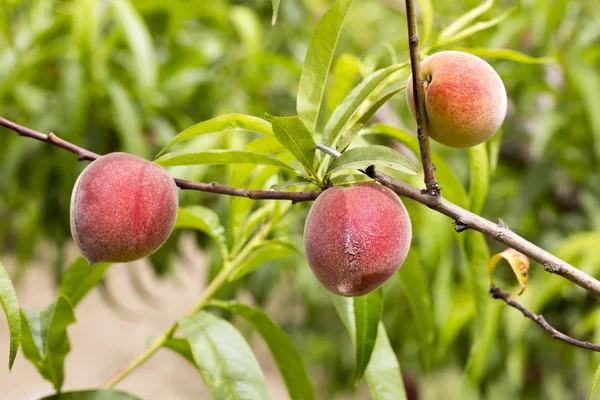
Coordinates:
[367,315]
[293,134]
[286,355]
[98,394]
[181,347]
[317,62]
[220,157]
[505,54]
[479,166]
[224,358]
[595,383]
[479,26]
[416,289]
[80,278]
[469,16]
[8,300]
[127,120]
[427,17]
[518,262]
[275,11]
[344,112]
[362,157]
[343,77]
[269,251]
[383,372]
[223,123]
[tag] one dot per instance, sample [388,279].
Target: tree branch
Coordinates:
[431,186]
[86,155]
[464,219]
[541,321]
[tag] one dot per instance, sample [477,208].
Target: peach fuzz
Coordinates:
[465,99]
[123,208]
[356,238]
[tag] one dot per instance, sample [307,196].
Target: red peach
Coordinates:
[356,238]
[123,208]
[465,98]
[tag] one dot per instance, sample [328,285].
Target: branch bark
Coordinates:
[86,155]
[541,321]
[431,186]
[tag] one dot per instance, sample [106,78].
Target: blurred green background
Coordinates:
[129,75]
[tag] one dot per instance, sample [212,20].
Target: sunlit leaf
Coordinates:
[518,262]
[127,120]
[505,54]
[480,176]
[344,112]
[477,27]
[222,123]
[362,157]
[8,300]
[343,77]
[286,355]
[220,157]
[224,358]
[293,134]
[200,218]
[427,17]
[595,383]
[268,251]
[462,21]
[319,55]
[586,81]
[367,315]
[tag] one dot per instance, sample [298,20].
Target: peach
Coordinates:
[465,98]
[123,208]
[356,238]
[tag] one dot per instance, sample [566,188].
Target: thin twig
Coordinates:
[431,186]
[541,321]
[464,219]
[86,155]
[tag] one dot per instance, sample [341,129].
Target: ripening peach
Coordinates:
[465,99]
[356,238]
[123,208]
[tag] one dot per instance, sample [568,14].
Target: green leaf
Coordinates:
[479,166]
[453,188]
[223,123]
[427,17]
[343,77]
[286,355]
[220,157]
[351,104]
[127,120]
[506,54]
[317,62]
[293,134]
[97,394]
[461,22]
[8,300]
[484,340]
[416,289]
[45,341]
[350,134]
[595,383]
[140,42]
[383,372]
[367,315]
[181,347]
[586,81]
[268,251]
[223,357]
[362,157]
[201,218]
[479,26]
[80,278]
[275,11]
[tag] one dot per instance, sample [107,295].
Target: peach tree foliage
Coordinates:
[283,150]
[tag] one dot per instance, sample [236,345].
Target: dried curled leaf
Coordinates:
[518,262]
